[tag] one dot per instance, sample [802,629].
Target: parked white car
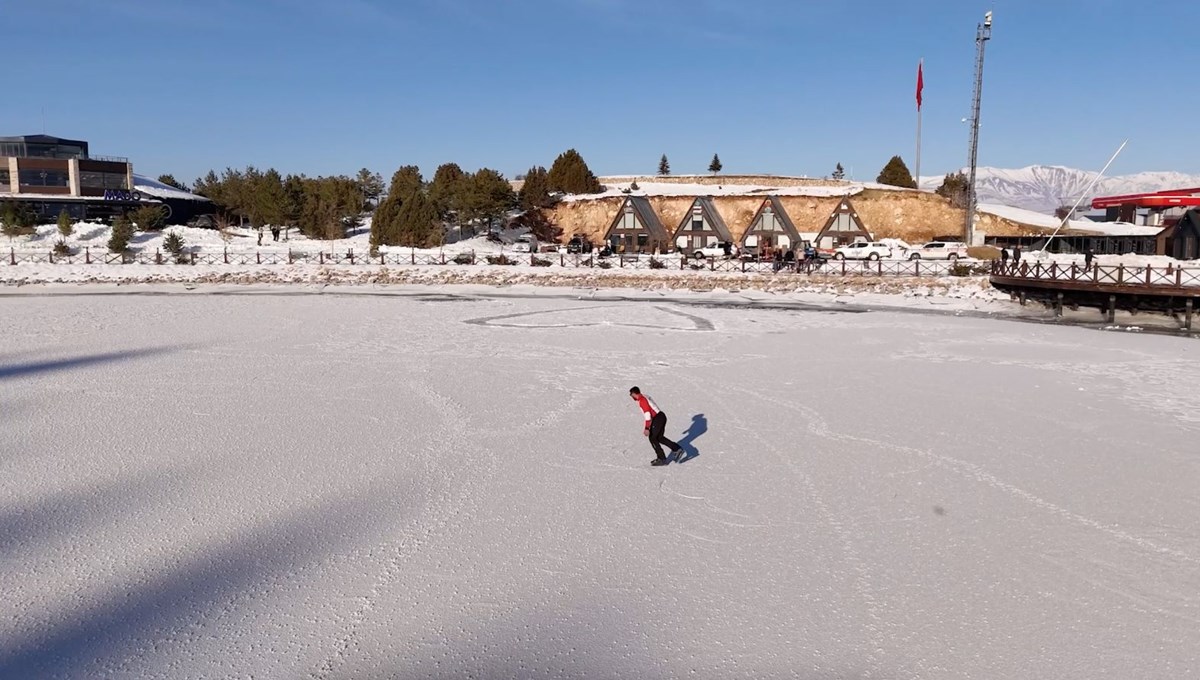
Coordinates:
[939,250]
[863,250]
[525,243]
[714,251]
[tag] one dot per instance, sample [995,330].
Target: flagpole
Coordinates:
[920,68]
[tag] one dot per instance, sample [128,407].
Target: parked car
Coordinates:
[939,250]
[525,243]
[862,250]
[723,250]
[579,244]
[203,222]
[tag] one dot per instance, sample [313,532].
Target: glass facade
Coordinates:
[44,178]
[36,150]
[90,179]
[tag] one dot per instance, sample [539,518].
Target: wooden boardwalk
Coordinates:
[1168,290]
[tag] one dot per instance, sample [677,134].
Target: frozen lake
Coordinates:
[356,486]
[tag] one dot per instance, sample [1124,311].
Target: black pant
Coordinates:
[657,424]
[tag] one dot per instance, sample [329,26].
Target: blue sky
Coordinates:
[773,86]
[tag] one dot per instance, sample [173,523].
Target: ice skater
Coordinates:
[656,422]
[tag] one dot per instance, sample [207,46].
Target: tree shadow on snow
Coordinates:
[16,370]
[173,598]
[698,427]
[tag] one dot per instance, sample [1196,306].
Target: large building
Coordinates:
[52,174]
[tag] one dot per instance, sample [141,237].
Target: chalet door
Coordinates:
[697,242]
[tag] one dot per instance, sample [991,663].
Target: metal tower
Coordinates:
[983,33]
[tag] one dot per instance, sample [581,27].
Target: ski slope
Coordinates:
[373,483]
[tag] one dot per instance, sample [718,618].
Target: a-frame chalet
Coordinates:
[842,227]
[702,226]
[771,226]
[637,228]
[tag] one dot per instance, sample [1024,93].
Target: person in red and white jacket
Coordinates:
[656,422]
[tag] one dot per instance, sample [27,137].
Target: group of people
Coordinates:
[275,229]
[1089,257]
[1016,256]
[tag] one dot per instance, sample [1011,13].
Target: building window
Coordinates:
[697,225]
[4,178]
[44,178]
[53,151]
[103,180]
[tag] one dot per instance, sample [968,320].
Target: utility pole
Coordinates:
[983,33]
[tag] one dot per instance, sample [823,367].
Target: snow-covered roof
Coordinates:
[1037,219]
[159,190]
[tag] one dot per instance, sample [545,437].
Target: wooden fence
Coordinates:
[841,268]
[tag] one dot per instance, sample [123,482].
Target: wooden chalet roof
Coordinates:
[712,218]
[842,214]
[645,215]
[789,227]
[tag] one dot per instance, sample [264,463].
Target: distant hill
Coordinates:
[1043,188]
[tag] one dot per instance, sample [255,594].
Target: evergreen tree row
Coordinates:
[321,207]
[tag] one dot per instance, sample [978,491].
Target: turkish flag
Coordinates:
[920,81]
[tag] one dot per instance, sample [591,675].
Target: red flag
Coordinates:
[920,81]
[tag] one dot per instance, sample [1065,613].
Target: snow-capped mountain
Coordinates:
[1044,188]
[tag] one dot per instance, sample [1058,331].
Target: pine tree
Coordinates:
[17,219]
[65,226]
[488,196]
[406,181]
[370,184]
[664,166]
[418,222]
[954,187]
[839,172]
[535,192]
[715,166]
[170,181]
[445,191]
[207,186]
[270,199]
[122,234]
[571,175]
[896,174]
[385,223]
[293,199]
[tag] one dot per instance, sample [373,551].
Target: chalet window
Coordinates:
[697,224]
[642,240]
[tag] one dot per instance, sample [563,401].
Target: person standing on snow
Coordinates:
[656,422]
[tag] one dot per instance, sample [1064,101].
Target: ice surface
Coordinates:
[405,485]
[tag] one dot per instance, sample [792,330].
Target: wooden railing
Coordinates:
[1131,276]
[398,258]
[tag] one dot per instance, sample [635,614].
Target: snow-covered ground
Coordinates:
[425,482]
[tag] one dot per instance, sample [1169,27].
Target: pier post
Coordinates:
[1058,305]
[1021,297]
[1187,315]
[1111,314]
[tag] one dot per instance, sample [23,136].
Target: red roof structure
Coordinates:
[1171,198]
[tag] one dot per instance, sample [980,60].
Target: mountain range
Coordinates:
[1043,188]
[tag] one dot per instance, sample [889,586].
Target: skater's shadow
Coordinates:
[698,427]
